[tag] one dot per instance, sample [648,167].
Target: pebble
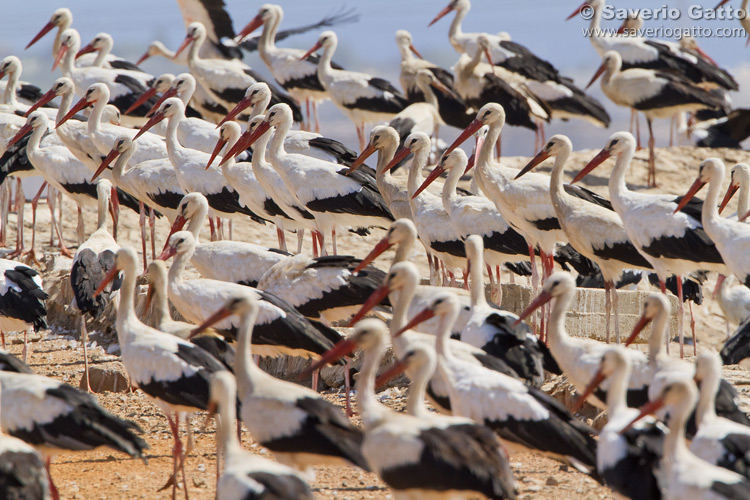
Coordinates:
[551,481]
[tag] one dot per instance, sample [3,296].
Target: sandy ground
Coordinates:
[105,474]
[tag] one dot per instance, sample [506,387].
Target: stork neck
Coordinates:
[403,250]
[450,184]
[126,309]
[177,270]
[618,390]
[656,347]
[445,325]
[675,446]
[415,401]
[743,201]
[473,61]
[67,23]
[277,152]
[122,161]
[65,101]
[406,55]
[371,410]
[594,30]
[385,155]
[261,105]
[9,97]
[187,94]
[170,137]
[32,146]
[617,186]
[557,332]
[485,159]
[710,211]
[400,300]
[267,41]
[95,118]
[706,409]
[415,174]
[429,94]
[227,436]
[67,65]
[161,305]
[476,274]
[245,368]
[195,48]
[455,30]
[325,70]
[556,187]
[259,152]
[101,212]
[101,56]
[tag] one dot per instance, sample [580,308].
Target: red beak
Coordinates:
[253,25]
[421,317]
[211,320]
[244,103]
[643,321]
[436,172]
[143,98]
[468,132]
[402,153]
[697,185]
[81,104]
[177,225]
[41,102]
[647,409]
[595,162]
[577,11]
[365,154]
[143,58]
[105,163]
[86,50]
[470,163]
[245,142]
[538,302]
[374,299]
[25,129]
[188,39]
[311,51]
[381,247]
[341,349]
[168,253]
[171,92]
[539,158]
[415,51]
[60,54]
[730,192]
[598,378]
[441,14]
[219,145]
[397,369]
[159,116]
[110,276]
[46,29]
[602,69]
[719,281]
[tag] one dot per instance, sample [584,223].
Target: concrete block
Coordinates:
[587,317]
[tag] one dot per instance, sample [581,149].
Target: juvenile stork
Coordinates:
[684,474]
[673,242]
[657,94]
[22,301]
[245,473]
[298,425]
[361,97]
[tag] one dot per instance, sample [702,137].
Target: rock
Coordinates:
[107,377]
[551,481]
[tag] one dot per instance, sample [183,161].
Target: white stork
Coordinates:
[280,329]
[361,97]
[172,371]
[23,474]
[22,297]
[406,450]
[739,180]
[732,238]
[335,199]
[102,44]
[719,441]
[593,229]
[657,94]
[673,242]
[734,301]
[298,425]
[226,80]
[523,417]
[125,86]
[684,475]
[247,475]
[91,262]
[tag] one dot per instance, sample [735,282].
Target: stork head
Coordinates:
[617,144]
[102,41]
[278,114]
[10,65]
[63,86]
[255,94]
[675,391]
[594,4]
[155,48]
[405,44]
[710,169]
[196,32]
[557,144]
[267,14]
[325,40]
[180,243]
[557,285]
[457,5]
[655,304]
[707,365]
[420,360]
[740,176]
[61,18]
[191,205]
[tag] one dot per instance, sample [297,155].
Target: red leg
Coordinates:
[212,228]
[52,488]
[680,317]
[281,238]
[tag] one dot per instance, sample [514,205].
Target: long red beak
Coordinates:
[402,153]
[210,321]
[538,302]
[219,145]
[105,163]
[591,387]
[108,278]
[148,94]
[41,102]
[468,132]
[415,51]
[341,349]
[245,141]
[253,25]
[642,322]
[441,15]
[719,282]
[602,69]
[241,106]
[60,54]
[647,409]
[436,172]
[167,253]
[728,196]
[595,162]
[539,158]
[697,185]
[159,116]
[177,225]
[365,154]
[381,247]
[143,58]
[170,92]
[81,104]
[577,11]
[311,51]
[470,162]
[86,50]
[188,39]
[373,300]
[25,129]
[46,29]
[704,55]
[420,317]
[442,88]
[397,369]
